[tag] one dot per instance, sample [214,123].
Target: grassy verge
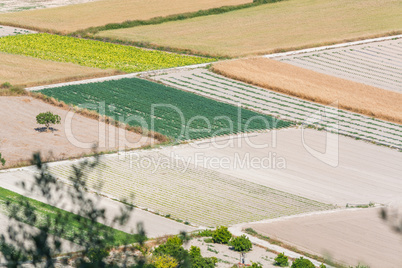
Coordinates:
[75,222]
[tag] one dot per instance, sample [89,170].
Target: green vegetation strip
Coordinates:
[178,114]
[75,222]
[94,53]
[159,20]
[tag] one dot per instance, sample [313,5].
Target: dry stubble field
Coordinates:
[271,27]
[77,17]
[314,86]
[20,138]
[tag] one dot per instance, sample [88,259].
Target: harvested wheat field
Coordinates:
[314,86]
[348,236]
[74,137]
[77,17]
[271,27]
[27,71]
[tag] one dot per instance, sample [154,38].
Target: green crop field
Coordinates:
[169,111]
[74,223]
[94,53]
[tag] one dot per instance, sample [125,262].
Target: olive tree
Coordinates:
[47,119]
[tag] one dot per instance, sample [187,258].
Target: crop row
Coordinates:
[94,53]
[376,64]
[205,83]
[197,195]
[172,112]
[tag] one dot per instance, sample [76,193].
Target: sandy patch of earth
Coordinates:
[230,257]
[348,236]
[20,135]
[7,6]
[6,31]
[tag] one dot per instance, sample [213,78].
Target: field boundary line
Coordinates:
[118,77]
[314,49]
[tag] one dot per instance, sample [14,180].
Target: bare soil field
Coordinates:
[273,27]
[314,86]
[26,71]
[77,17]
[348,236]
[377,64]
[7,6]
[20,135]
[314,164]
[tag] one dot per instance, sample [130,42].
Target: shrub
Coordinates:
[6,85]
[164,261]
[241,243]
[47,119]
[323,266]
[255,265]
[302,263]
[2,160]
[173,247]
[281,260]
[221,235]
[204,233]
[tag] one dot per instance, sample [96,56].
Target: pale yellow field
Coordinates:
[271,27]
[314,86]
[77,17]
[27,71]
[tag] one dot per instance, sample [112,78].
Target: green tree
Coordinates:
[47,119]
[302,263]
[241,243]
[281,260]
[221,235]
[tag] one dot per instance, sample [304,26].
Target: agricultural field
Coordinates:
[169,111]
[268,28]
[154,225]
[377,64]
[93,53]
[7,6]
[346,236]
[27,71]
[314,164]
[188,193]
[314,86]
[220,88]
[77,17]
[23,135]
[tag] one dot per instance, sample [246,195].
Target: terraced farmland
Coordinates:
[93,53]
[179,114]
[205,83]
[194,194]
[377,64]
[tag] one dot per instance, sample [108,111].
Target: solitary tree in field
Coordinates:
[47,119]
